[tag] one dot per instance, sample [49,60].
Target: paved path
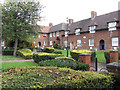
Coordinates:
[30,60]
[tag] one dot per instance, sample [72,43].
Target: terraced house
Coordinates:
[96,33]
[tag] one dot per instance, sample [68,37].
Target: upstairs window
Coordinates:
[50,34]
[66,33]
[57,33]
[112,26]
[77,32]
[54,34]
[44,35]
[91,42]
[92,29]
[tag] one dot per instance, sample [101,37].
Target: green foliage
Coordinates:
[64,62]
[119,54]
[64,58]
[8,51]
[75,54]
[25,53]
[55,45]
[57,52]
[49,49]
[37,57]
[53,77]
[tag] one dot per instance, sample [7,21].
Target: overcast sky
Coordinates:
[56,11]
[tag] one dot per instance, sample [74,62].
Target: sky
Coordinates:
[56,11]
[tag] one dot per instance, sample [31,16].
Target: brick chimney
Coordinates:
[70,21]
[93,14]
[50,24]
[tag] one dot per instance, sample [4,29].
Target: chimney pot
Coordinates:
[50,24]
[93,14]
[71,21]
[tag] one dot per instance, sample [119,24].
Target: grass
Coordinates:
[64,52]
[7,58]
[17,64]
[100,57]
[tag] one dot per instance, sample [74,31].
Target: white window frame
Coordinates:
[50,34]
[45,35]
[57,33]
[66,33]
[77,32]
[78,43]
[54,34]
[115,41]
[92,29]
[91,42]
[44,42]
[65,43]
[2,43]
[112,26]
[39,36]
[50,42]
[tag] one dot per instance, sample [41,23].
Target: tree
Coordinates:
[19,21]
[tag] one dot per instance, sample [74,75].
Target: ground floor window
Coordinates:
[50,42]
[44,42]
[78,42]
[65,43]
[91,42]
[115,41]
[2,43]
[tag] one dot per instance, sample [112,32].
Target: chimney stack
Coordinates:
[70,21]
[50,24]
[93,14]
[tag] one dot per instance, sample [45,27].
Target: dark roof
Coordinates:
[59,27]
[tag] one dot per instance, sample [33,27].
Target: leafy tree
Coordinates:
[19,21]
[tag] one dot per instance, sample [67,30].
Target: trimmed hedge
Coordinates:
[64,63]
[57,52]
[75,54]
[37,57]
[25,53]
[54,77]
[64,58]
[48,49]
[7,51]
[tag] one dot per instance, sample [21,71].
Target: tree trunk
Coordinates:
[15,47]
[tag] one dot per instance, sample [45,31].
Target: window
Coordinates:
[112,26]
[57,33]
[115,41]
[91,42]
[77,32]
[2,43]
[44,42]
[78,42]
[66,33]
[50,34]
[92,29]
[54,34]
[50,42]
[44,35]
[65,43]
[39,35]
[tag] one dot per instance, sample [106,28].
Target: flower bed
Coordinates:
[54,77]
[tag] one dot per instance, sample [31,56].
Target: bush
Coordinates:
[25,53]
[53,77]
[8,51]
[56,45]
[75,54]
[48,49]
[64,58]
[64,63]
[57,52]
[37,57]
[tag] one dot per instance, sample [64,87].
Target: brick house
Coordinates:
[96,33]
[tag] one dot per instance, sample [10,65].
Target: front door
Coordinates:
[102,45]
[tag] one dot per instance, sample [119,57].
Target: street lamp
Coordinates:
[67,35]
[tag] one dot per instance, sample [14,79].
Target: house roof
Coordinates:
[44,29]
[59,27]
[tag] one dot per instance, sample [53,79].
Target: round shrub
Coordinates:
[49,49]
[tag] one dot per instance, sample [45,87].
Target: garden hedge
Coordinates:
[37,57]
[48,49]
[75,54]
[7,51]
[54,77]
[57,52]
[25,53]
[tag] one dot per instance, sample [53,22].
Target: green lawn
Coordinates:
[64,52]
[100,57]
[6,58]
[17,64]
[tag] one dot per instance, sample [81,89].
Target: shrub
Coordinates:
[57,52]
[8,51]
[53,77]
[64,58]
[64,63]
[25,53]
[49,49]
[37,57]
[55,45]
[75,54]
